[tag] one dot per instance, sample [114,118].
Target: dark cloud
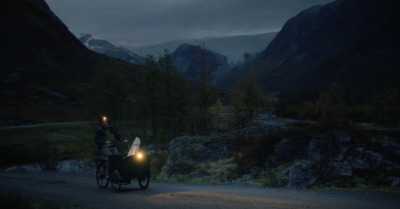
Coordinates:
[144,22]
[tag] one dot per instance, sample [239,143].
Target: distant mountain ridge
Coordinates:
[349,42]
[185,59]
[112,50]
[233,47]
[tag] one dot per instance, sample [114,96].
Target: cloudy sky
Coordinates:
[135,23]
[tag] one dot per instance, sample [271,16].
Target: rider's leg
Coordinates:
[114,150]
[106,152]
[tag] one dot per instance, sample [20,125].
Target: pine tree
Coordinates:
[149,96]
[109,91]
[248,101]
[207,92]
[174,99]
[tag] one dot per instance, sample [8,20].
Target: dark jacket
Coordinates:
[100,136]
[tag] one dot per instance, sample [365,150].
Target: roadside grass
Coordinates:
[51,143]
[20,202]
[46,144]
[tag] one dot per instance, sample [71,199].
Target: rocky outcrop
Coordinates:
[331,158]
[185,153]
[328,157]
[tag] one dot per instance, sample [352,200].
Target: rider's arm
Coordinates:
[116,134]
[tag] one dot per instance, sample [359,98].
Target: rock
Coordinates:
[198,149]
[322,149]
[342,136]
[393,180]
[340,168]
[289,150]
[282,177]
[391,151]
[389,165]
[78,165]
[301,175]
[363,159]
[73,165]
[186,152]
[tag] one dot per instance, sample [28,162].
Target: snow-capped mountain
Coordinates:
[112,50]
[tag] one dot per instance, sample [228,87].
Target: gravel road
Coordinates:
[82,189]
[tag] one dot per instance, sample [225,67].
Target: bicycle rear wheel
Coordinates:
[115,181]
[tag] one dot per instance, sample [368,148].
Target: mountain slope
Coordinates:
[109,49]
[233,47]
[185,58]
[349,42]
[45,69]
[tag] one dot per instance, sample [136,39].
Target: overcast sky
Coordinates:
[134,23]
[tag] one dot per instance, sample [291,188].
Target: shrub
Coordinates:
[224,170]
[181,166]
[157,162]
[253,150]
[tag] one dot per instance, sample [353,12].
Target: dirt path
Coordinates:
[82,189]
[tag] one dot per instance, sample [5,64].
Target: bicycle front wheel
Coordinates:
[101,176]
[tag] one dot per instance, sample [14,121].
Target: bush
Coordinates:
[224,170]
[253,150]
[157,162]
[181,166]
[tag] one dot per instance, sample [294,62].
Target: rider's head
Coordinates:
[103,122]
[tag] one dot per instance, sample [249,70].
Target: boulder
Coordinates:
[323,149]
[364,159]
[391,152]
[301,175]
[342,136]
[185,152]
[340,168]
[289,150]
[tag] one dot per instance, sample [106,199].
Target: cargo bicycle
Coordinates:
[123,168]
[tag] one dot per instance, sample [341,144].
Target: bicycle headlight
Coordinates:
[139,156]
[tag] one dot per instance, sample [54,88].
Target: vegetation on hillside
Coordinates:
[337,104]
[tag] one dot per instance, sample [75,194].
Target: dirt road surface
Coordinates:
[82,189]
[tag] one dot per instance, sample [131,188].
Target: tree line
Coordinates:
[166,105]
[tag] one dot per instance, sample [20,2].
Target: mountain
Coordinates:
[185,58]
[233,47]
[353,43]
[107,48]
[45,69]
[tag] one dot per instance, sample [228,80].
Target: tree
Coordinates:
[248,101]
[148,98]
[174,99]
[109,91]
[219,118]
[162,100]
[206,91]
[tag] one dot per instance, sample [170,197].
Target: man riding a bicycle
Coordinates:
[116,168]
[105,137]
